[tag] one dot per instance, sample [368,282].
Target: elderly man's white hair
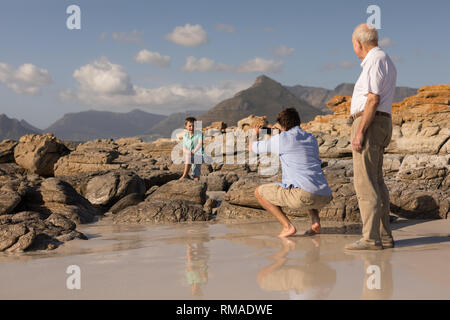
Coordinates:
[366,34]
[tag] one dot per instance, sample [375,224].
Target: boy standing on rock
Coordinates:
[192,149]
[304,185]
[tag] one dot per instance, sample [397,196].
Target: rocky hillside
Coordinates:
[14,129]
[265,97]
[318,97]
[93,124]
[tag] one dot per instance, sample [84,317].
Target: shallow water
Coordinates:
[234,261]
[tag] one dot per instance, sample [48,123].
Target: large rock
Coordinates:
[57,196]
[107,189]
[7,150]
[189,190]
[428,170]
[242,192]
[158,177]
[159,211]
[127,201]
[416,201]
[252,121]
[214,182]
[12,190]
[9,199]
[92,156]
[39,153]
[344,205]
[28,230]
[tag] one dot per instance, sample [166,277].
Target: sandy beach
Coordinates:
[210,260]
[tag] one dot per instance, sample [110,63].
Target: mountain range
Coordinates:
[318,97]
[93,124]
[14,129]
[265,97]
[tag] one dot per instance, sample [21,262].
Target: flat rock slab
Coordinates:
[159,211]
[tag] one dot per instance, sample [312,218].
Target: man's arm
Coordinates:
[373,100]
[271,145]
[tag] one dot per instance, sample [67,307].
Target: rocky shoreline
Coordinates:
[48,187]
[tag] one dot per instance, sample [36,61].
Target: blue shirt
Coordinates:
[300,162]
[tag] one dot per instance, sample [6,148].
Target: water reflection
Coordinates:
[378,282]
[197,267]
[304,278]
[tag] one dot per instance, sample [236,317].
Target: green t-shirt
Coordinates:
[190,142]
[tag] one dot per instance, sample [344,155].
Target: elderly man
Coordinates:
[371,109]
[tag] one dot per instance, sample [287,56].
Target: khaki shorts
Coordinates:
[294,198]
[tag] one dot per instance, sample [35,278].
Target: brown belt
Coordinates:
[377,113]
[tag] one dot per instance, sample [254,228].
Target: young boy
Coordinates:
[192,149]
[304,185]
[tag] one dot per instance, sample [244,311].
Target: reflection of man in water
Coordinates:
[311,280]
[197,267]
[376,286]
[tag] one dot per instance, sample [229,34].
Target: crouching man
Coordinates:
[304,185]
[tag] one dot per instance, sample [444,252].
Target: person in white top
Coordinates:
[371,109]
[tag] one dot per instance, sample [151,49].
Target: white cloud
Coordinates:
[104,84]
[203,65]
[103,77]
[133,36]
[188,36]
[386,43]
[67,95]
[346,64]
[225,27]
[260,65]
[398,59]
[27,79]
[155,58]
[341,65]
[282,51]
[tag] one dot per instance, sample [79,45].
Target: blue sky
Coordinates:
[238,39]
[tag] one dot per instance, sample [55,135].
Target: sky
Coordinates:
[169,56]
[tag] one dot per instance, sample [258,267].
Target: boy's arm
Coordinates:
[199,145]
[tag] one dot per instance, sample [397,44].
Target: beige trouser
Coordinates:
[293,198]
[371,191]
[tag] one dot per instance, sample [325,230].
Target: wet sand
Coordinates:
[212,260]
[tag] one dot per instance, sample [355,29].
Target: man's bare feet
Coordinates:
[315,229]
[287,232]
